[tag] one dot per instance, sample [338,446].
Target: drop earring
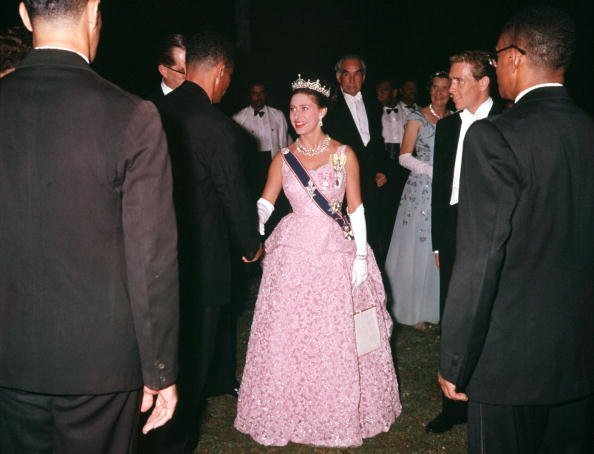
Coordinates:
[320,123]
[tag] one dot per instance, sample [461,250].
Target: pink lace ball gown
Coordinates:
[303,381]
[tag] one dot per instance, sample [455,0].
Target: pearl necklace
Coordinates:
[318,149]
[433,112]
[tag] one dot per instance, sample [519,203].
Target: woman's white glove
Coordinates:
[265,209]
[415,165]
[357,218]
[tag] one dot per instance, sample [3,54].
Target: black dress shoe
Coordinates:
[440,424]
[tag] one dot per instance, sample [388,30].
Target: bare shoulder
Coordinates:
[277,160]
[351,156]
[335,145]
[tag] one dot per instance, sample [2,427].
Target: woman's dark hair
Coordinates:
[15,43]
[320,100]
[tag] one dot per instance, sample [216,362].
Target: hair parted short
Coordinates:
[546,33]
[338,66]
[209,48]
[168,43]
[54,9]
[478,61]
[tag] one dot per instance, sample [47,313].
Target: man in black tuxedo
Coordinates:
[88,262]
[216,215]
[517,327]
[171,66]
[355,120]
[470,75]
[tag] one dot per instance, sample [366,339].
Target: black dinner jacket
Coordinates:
[340,125]
[155,96]
[517,327]
[447,134]
[216,214]
[88,259]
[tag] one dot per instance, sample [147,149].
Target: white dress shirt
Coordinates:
[357,108]
[467,118]
[392,125]
[166,89]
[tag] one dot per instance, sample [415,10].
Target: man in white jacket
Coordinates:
[268,127]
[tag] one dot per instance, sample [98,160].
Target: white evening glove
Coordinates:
[265,209]
[415,165]
[357,218]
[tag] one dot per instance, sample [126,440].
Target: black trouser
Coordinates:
[200,326]
[556,429]
[454,410]
[257,171]
[390,195]
[58,424]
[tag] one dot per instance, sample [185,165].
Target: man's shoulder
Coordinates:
[450,120]
[275,111]
[240,114]
[277,114]
[155,96]
[450,123]
[211,120]
[86,87]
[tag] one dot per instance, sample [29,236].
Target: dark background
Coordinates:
[397,38]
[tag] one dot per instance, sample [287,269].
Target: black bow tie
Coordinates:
[260,114]
[389,110]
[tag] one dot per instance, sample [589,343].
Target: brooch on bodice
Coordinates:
[335,206]
[310,188]
[338,161]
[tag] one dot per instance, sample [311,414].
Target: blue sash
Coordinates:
[317,197]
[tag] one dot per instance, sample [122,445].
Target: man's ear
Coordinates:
[517,59]
[25,16]
[162,70]
[484,83]
[93,14]
[338,74]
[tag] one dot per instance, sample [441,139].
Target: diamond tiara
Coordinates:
[315,86]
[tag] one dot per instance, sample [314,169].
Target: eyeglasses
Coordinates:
[493,57]
[179,71]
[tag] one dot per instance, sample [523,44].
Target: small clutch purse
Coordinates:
[367,333]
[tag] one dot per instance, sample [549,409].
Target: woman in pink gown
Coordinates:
[304,381]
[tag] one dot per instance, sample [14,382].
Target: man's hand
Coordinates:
[256,257]
[380,179]
[164,406]
[449,389]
